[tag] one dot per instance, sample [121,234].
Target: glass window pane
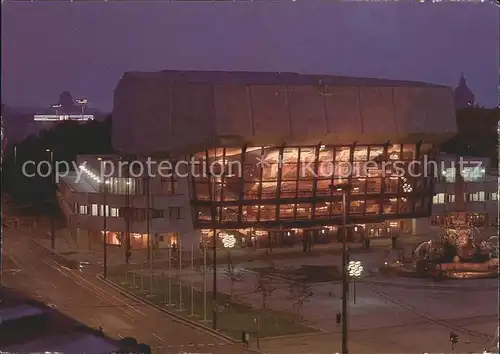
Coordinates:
[267,212]
[287,211]
[394,152]
[391,184]
[404,206]
[307,155]
[229,213]
[251,190]
[289,171]
[357,207]
[289,189]
[269,189]
[360,154]
[304,211]
[305,188]
[204,213]
[372,207]
[290,155]
[342,170]
[358,185]
[376,152]
[323,187]
[409,151]
[342,154]
[322,209]
[250,213]
[390,206]
[373,185]
[337,208]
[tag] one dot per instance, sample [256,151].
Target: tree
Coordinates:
[233,277]
[265,287]
[300,293]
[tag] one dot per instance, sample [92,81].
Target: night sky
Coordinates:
[48,47]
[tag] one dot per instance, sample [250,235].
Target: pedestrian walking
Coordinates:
[245,338]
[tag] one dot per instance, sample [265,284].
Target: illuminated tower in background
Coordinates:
[463,95]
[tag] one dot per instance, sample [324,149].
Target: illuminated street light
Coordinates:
[229,241]
[355,269]
[57,106]
[83,103]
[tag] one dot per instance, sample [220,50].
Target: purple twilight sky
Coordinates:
[48,47]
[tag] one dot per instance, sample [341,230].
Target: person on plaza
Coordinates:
[245,339]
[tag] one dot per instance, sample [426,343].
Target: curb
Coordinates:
[172,315]
[429,286]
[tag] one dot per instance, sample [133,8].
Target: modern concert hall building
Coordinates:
[279,145]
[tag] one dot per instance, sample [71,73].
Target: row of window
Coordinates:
[481,196]
[137,214]
[137,186]
[469,174]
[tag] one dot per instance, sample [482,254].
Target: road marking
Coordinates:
[99,295]
[120,335]
[55,287]
[160,338]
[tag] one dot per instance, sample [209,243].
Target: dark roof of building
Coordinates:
[27,325]
[271,78]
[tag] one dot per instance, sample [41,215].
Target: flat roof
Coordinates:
[272,78]
[81,186]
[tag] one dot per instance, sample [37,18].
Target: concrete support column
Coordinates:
[421,226]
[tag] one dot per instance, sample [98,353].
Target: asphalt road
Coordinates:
[40,274]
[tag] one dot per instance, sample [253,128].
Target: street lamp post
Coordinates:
[228,241]
[82,102]
[345,188]
[57,106]
[214,255]
[53,218]
[105,228]
[355,269]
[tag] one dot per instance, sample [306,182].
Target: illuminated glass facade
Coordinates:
[294,186]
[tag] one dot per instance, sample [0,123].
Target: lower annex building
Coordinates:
[284,142]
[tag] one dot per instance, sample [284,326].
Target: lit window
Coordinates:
[101,210]
[83,210]
[115,212]
[493,196]
[451,198]
[438,198]
[94,210]
[481,196]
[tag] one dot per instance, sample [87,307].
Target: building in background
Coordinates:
[480,186]
[19,123]
[272,125]
[463,95]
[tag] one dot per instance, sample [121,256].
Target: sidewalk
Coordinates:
[93,252]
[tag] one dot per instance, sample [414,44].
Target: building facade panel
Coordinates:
[307,111]
[233,109]
[344,112]
[271,111]
[193,120]
[377,109]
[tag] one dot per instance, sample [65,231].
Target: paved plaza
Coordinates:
[390,315]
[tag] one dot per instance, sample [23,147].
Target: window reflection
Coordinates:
[261,171]
[304,211]
[390,206]
[357,207]
[287,211]
[267,212]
